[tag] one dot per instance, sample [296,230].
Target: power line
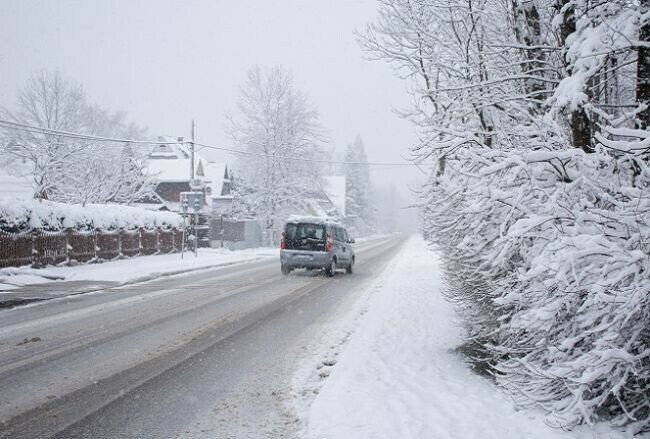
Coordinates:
[300,159]
[79,136]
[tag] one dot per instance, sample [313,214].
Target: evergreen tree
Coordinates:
[358,207]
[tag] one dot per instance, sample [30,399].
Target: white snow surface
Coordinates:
[131,270]
[392,370]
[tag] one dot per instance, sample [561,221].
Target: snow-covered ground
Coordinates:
[391,370]
[131,269]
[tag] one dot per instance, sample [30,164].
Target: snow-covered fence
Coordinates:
[44,233]
[40,248]
[15,249]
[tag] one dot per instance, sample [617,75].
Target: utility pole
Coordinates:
[196,202]
[192,153]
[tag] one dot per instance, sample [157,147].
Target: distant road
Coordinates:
[205,355]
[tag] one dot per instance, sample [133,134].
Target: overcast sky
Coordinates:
[166,62]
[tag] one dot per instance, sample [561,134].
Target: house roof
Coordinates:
[214,177]
[171,163]
[169,170]
[169,150]
[334,188]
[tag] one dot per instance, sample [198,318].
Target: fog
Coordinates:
[167,62]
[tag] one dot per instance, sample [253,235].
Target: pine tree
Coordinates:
[357,188]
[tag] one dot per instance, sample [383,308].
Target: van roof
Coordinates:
[313,220]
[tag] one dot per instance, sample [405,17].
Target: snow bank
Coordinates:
[21,215]
[399,376]
[131,270]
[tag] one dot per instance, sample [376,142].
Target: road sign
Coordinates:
[192,202]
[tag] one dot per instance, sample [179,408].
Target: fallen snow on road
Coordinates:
[391,370]
[132,269]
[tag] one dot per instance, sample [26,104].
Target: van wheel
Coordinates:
[331,269]
[349,268]
[285,269]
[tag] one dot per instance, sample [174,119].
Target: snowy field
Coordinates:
[131,270]
[391,371]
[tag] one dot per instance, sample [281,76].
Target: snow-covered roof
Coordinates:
[170,163]
[334,188]
[213,178]
[169,150]
[169,170]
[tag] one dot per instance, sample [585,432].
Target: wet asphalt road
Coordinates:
[209,355]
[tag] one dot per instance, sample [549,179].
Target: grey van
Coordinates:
[312,242]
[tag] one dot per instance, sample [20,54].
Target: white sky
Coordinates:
[166,62]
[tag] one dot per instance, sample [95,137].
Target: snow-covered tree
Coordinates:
[358,204]
[52,101]
[532,119]
[69,169]
[279,128]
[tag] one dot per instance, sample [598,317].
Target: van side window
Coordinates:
[345,236]
[338,234]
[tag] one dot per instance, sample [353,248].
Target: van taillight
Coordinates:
[282,242]
[328,243]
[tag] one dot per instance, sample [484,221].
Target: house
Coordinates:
[334,188]
[170,164]
[327,201]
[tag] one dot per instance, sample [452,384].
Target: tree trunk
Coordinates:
[643,70]
[578,118]
[581,130]
[527,28]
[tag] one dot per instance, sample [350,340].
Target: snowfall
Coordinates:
[387,367]
[392,371]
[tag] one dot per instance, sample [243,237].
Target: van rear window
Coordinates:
[304,231]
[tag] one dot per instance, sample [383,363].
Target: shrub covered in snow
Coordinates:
[553,274]
[22,215]
[536,121]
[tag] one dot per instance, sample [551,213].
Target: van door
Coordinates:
[348,246]
[342,252]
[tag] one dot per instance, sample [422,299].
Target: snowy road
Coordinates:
[208,355]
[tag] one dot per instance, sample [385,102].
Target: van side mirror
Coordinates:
[351,241]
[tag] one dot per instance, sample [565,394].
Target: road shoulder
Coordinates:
[391,370]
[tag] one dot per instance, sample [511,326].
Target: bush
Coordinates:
[23,215]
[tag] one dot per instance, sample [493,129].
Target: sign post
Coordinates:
[194,199]
[183,214]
